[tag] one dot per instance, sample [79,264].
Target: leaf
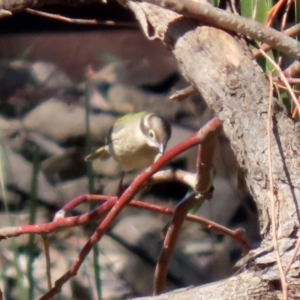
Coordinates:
[216,3]
[256,9]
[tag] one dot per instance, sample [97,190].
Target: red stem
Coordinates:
[211,126]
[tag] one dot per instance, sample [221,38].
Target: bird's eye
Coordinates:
[151,134]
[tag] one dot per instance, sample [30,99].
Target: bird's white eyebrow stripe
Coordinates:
[144,124]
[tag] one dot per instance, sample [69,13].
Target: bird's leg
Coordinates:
[120,188]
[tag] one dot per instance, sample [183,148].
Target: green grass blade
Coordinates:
[216,3]
[96,253]
[256,9]
[32,218]
[21,290]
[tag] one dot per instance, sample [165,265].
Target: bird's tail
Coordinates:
[101,153]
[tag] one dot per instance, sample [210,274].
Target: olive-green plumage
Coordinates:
[135,141]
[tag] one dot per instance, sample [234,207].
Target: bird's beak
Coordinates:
[161,148]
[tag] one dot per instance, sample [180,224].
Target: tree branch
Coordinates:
[206,13]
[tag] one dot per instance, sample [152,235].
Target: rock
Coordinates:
[65,166]
[18,175]
[180,134]
[130,99]
[9,128]
[225,195]
[14,75]
[49,76]
[110,187]
[71,189]
[108,168]
[135,72]
[59,121]
[46,146]
[98,101]
[134,230]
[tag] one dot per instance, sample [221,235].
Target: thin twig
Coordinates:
[295,112]
[173,175]
[282,87]
[284,18]
[283,24]
[283,78]
[205,132]
[183,94]
[161,176]
[292,31]
[237,234]
[290,81]
[67,222]
[292,70]
[201,192]
[78,21]
[228,21]
[274,11]
[288,266]
[204,175]
[170,241]
[233,7]
[5,13]
[48,261]
[271,195]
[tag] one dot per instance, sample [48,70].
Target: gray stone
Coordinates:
[60,121]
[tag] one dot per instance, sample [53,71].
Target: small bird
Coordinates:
[135,141]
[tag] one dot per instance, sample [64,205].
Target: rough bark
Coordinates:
[221,67]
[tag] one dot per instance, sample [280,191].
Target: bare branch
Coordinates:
[292,31]
[228,21]
[170,241]
[77,21]
[205,132]
[182,94]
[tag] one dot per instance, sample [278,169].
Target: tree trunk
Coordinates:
[221,67]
